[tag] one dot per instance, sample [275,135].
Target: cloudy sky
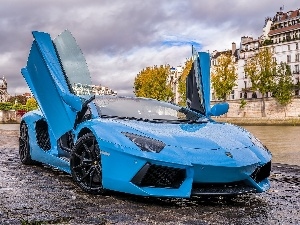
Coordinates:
[119,38]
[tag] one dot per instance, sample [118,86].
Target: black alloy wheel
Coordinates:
[24,147]
[85,164]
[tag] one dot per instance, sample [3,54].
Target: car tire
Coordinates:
[24,147]
[85,163]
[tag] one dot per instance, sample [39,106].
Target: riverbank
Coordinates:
[259,121]
[9,126]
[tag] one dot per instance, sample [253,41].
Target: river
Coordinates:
[282,141]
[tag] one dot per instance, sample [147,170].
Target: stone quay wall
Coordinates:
[252,109]
[9,116]
[250,112]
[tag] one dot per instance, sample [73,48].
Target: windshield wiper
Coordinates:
[177,121]
[173,121]
[169,121]
[123,117]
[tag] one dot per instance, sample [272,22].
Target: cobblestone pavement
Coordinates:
[43,195]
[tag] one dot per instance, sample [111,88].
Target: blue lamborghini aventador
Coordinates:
[134,145]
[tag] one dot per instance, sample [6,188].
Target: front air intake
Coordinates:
[158,176]
[262,172]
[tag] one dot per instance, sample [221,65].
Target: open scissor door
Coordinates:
[53,72]
[198,83]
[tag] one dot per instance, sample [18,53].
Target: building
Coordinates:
[3,90]
[85,89]
[27,95]
[249,47]
[173,80]
[282,35]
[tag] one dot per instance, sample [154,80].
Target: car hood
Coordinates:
[210,135]
[218,142]
[209,143]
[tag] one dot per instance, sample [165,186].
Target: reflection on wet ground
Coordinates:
[42,194]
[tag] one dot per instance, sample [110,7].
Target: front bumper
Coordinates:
[157,176]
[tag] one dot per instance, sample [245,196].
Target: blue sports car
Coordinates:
[133,145]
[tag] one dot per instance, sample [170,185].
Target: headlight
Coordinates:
[144,143]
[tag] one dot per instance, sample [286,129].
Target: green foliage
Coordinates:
[243,103]
[6,106]
[182,81]
[267,42]
[282,89]
[223,76]
[31,104]
[261,69]
[19,106]
[151,82]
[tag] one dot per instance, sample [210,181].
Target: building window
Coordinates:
[288,58]
[289,47]
[232,94]
[274,59]
[297,44]
[273,49]
[297,57]
[296,68]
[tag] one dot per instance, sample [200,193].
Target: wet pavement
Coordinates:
[43,195]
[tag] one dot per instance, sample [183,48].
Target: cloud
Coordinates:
[119,38]
[119,72]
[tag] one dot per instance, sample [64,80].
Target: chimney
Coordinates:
[233,48]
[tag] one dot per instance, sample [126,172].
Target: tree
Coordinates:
[223,76]
[261,70]
[282,89]
[6,106]
[151,82]
[18,106]
[182,81]
[31,104]
[18,98]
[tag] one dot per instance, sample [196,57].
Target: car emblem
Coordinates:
[229,154]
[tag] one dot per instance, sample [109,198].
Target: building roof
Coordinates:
[281,16]
[284,29]
[217,54]
[295,13]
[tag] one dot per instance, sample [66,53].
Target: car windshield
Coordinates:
[146,109]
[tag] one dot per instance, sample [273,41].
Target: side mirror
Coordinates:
[219,109]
